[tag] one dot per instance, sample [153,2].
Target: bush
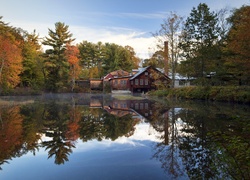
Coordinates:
[213,93]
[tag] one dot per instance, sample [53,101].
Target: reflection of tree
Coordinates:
[99,124]
[232,150]
[167,152]
[58,148]
[19,127]
[118,126]
[11,138]
[31,126]
[92,124]
[55,121]
[72,132]
[213,144]
[194,147]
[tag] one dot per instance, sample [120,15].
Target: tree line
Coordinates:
[211,47]
[205,44]
[24,64]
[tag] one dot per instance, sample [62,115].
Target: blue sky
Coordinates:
[124,22]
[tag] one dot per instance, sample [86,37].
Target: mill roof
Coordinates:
[140,71]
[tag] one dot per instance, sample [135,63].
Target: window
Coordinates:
[136,106]
[141,81]
[141,105]
[146,81]
[123,82]
[136,81]
[132,82]
[146,73]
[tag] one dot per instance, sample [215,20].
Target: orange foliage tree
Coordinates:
[10,62]
[239,44]
[72,54]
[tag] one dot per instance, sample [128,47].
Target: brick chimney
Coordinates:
[166,58]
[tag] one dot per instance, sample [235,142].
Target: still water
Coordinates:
[90,136]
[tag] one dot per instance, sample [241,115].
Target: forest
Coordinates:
[205,43]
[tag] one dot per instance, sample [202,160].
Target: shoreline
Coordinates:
[231,94]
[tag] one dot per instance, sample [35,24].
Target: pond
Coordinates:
[91,136]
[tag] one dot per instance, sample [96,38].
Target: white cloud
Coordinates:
[157,15]
[140,41]
[136,39]
[143,132]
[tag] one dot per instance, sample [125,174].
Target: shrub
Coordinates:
[214,93]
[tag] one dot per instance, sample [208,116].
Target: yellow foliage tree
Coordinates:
[94,72]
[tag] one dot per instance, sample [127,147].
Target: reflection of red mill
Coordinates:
[166,58]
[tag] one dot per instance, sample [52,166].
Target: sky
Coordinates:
[123,22]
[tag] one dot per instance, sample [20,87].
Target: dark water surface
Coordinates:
[90,136]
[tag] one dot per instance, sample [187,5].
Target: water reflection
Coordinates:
[192,140]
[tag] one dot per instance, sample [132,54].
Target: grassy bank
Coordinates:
[237,94]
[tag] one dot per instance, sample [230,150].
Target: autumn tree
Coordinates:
[199,34]
[156,60]
[72,55]
[10,63]
[170,32]
[10,56]
[238,44]
[56,65]
[133,58]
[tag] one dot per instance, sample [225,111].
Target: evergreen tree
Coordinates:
[91,58]
[56,65]
[118,57]
[199,35]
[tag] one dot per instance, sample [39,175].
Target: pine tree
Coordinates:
[199,34]
[56,65]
